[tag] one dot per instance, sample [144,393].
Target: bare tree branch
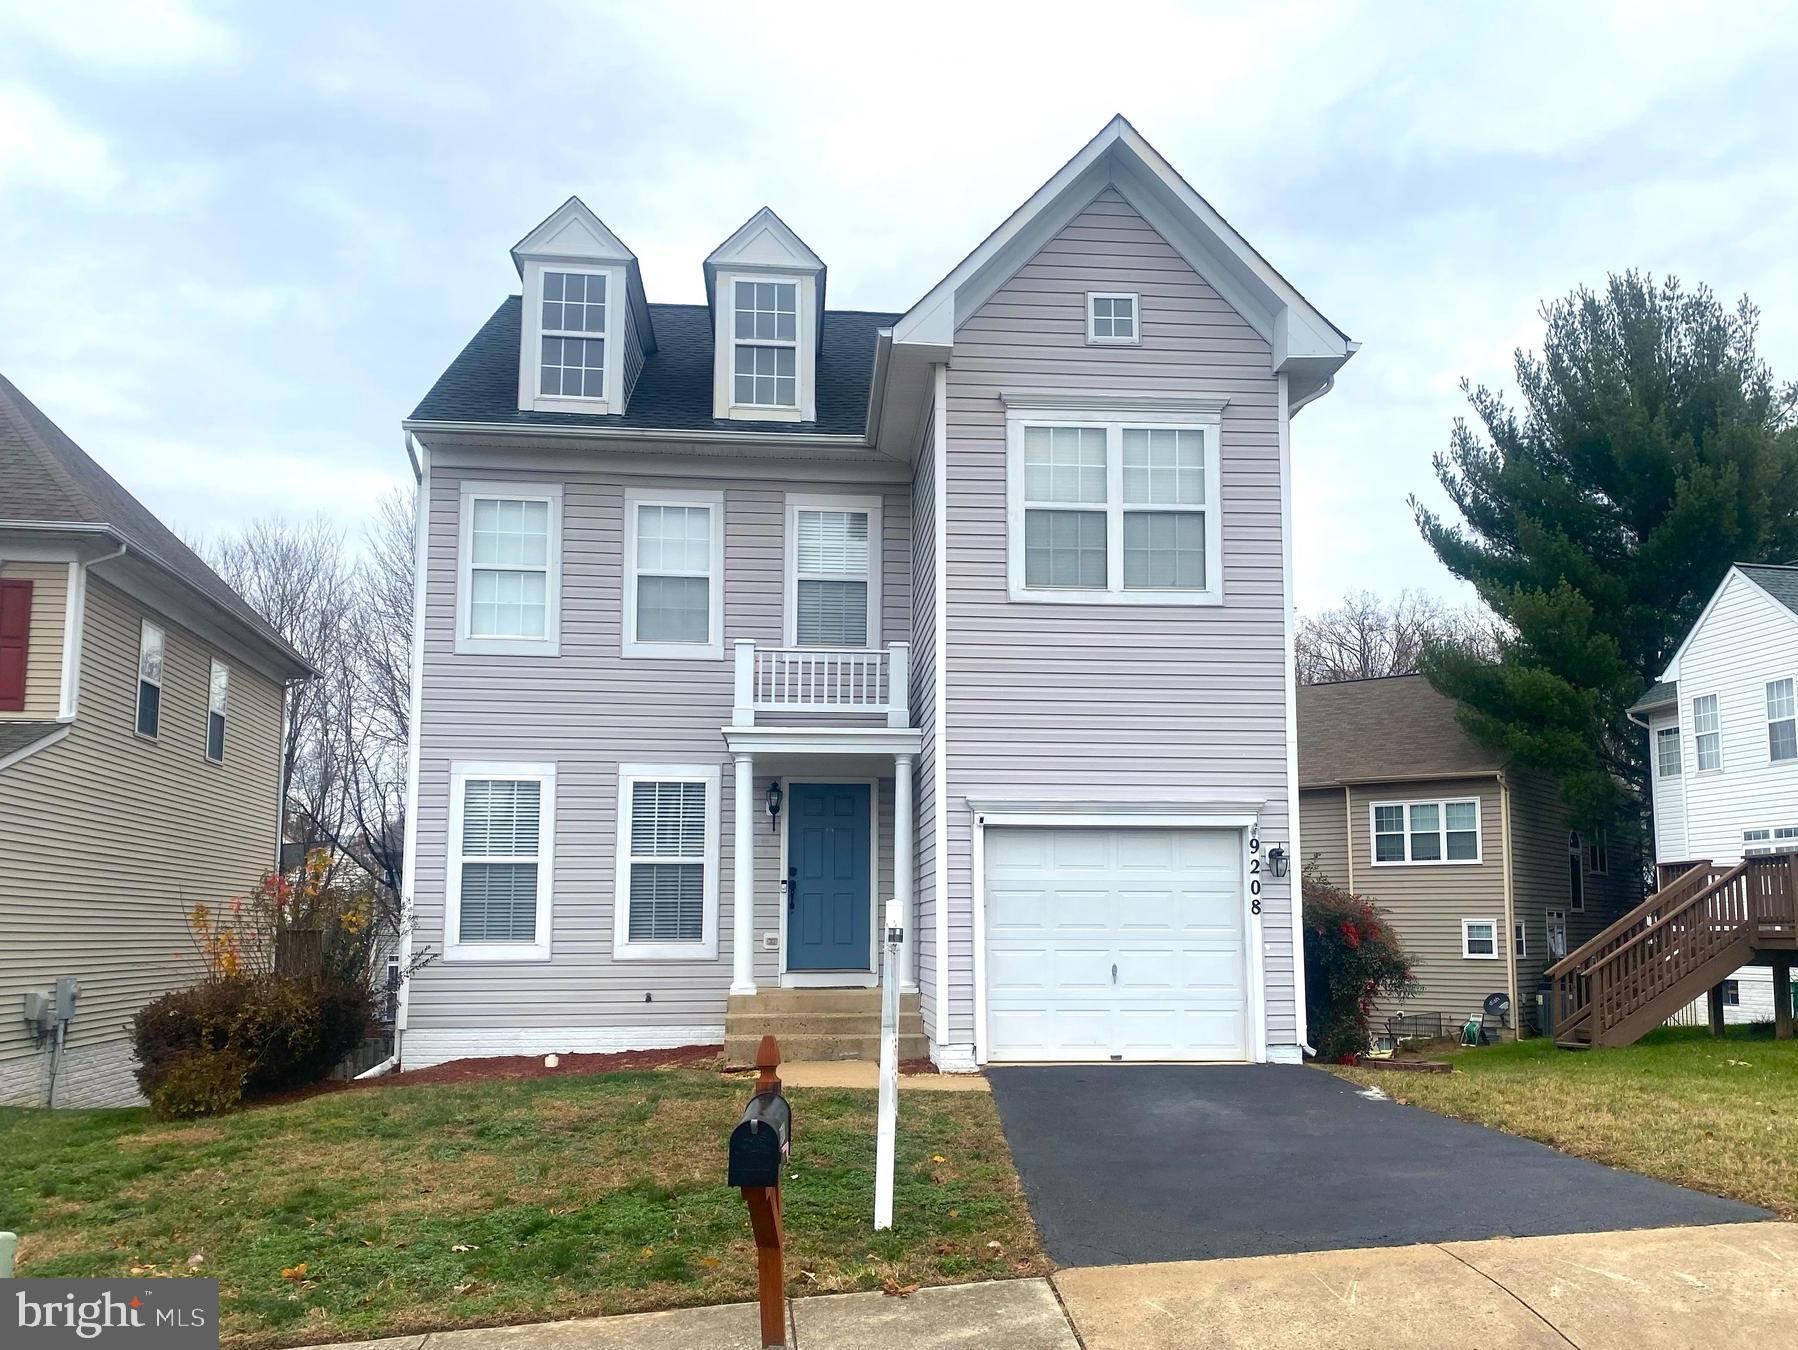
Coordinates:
[1366,637]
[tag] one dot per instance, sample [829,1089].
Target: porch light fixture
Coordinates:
[1276,861]
[774,800]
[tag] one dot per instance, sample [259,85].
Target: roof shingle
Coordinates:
[1385,729]
[1778,581]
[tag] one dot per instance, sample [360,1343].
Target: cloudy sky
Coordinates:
[237,243]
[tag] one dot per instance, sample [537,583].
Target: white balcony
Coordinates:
[837,681]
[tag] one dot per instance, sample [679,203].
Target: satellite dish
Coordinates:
[1499,1006]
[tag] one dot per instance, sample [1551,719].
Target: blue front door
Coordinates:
[828,875]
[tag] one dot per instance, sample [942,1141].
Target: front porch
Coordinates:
[822,746]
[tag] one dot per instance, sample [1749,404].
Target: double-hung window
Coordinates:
[674,574]
[1426,832]
[1576,873]
[1112,511]
[509,598]
[666,892]
[1666,752]
[1707,734]
[1520,942]
[218,692]
[833,579]
[149,679]
[1554,932]
[1111,317]
[572,360]
[1782,722]
[501,857]
[1598,853]
[765,337]
[1479,939]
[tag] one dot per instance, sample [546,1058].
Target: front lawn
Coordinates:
[1715,1115]
[383,1210]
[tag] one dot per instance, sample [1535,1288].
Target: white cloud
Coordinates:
[120,33]
[41,148]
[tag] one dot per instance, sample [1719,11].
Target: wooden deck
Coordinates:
[1680,943]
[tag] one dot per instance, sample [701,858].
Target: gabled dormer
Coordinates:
[585,321]
[766,291]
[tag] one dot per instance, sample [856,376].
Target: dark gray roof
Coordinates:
[16,736]
[1780,582]
[1657,695]
[674,391]
[46,478]
[1399,727]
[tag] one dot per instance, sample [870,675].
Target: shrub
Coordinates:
[262,1032]
[1352,958]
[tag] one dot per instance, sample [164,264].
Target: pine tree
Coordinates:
[1653,447]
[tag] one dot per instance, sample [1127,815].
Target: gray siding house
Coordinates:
[747,625]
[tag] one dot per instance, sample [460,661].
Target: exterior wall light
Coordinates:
[1276,861]
[774,800]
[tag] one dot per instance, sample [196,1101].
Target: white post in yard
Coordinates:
[887,1128]
[742,865]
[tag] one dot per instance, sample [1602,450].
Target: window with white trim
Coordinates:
[1554,932]
[218,693]
[1520,945]
[1667,753]
[674,575]
[509,600]
[1782,722]
[572,359]
[1598,853]
[833,582]
[1113,512]
[1732,994]
[1479,939]
[501,862]
[765,334]
[1766,842]
[1707,734]
[1446,831]
[1111,317]
[666,894]
[149,679]
[1576,872]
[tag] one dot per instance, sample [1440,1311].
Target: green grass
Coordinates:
[1716,1115]
[425,1207]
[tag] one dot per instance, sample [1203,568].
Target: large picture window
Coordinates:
[501,856]
[674,575]
[667,880]
[1445,831]
[509,587]
[833,571]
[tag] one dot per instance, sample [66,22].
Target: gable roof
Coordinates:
[1307,346]
[1779,580]
[674,391]
[1384,730]
[1657,695]
[48,480]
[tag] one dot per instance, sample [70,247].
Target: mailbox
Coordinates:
[759,1144]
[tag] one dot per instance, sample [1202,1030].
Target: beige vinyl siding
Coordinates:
[1426,902]
[1324,829]
[107,838]
[43,656]
[589,710]
[923,716]
[1114,702]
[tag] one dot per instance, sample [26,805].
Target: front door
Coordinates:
[829,838]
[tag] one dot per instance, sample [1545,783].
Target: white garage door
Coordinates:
[1106,944]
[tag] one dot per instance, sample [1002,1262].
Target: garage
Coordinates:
[1115,944]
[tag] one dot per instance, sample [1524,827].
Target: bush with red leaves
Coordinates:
[1352,958]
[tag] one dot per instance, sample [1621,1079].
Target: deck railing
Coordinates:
[843,681]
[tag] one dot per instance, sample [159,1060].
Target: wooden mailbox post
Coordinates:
[758,1150]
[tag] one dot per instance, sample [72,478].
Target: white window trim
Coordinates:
[712,649]
[144,628]
[1093,339]
[1492,955]
[706,949]
[1697,761]
[797,502]
[724,339]
[1520,940]
[225,713]
[550,644]
[1441,804]
[1548,921]
[530,355]
[1660,752]
[1772,721]
[1203,415]
[543,774]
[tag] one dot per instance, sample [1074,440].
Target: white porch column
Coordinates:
[742,874]
[902,867]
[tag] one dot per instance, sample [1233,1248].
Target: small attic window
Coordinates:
[573,365]
[765,360]
[1111,317]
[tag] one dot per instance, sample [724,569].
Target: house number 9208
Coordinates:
[1254,871]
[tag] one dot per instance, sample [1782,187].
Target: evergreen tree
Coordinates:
[1653,448]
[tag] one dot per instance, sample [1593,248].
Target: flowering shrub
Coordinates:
[1352,958]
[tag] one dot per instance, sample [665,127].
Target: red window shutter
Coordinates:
[15,637]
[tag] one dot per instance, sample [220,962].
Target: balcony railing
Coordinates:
[835,680]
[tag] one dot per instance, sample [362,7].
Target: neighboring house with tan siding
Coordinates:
[1473,861]
[140,748]
[738,620]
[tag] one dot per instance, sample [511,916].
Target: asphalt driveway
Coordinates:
[1133,1163]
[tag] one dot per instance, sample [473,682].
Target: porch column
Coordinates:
[1782,999]
[742,875]
[902,867]
[1714,1006]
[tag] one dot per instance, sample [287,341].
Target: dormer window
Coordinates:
[765,364]
[574,335]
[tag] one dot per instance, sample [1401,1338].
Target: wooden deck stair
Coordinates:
[1682,941]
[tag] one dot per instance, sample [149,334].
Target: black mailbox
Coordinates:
[758,1146]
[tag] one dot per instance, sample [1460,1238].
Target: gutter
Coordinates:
[684,437]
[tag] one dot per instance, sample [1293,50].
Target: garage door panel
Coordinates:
[1017,911]
[1078,851]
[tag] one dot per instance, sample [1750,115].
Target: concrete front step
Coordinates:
[784,1025]
[814,1001]
[739,1051]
